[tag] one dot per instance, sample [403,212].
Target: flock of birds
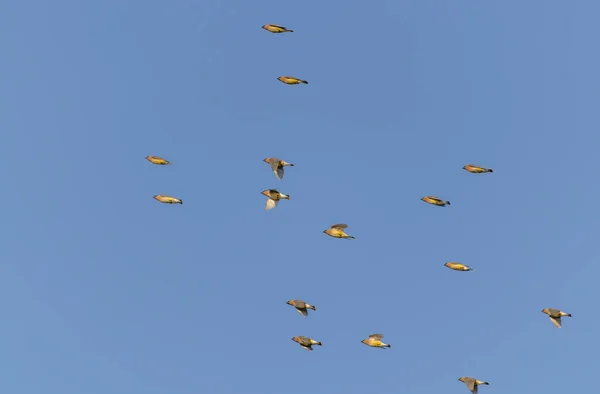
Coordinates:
[338,231]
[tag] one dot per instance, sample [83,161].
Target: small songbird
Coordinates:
[337,231]
[168,199]
[291,80]
[435,201]
[472,383]
[301,306]
[276,29]
[277,165]
[273,198]
[157,160]
[306,342]
[458,266]
[555,316]
[374,340]
[476,169]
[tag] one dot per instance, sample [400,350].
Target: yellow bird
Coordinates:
[276,29]
[273,197]
[168,199]
[458,266]
[374,340]
[291,80]
[306,342]
[435,201]
[476,169]
[337,231]
[555,316]
[472,383]
[277,165]
[301,306]
[157,160]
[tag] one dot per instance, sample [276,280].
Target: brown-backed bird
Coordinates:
[472,383]
[435,201]
[337,231]
[374,340]
[277,165]
[273,197]
[458,266]
[168,199]
[276,29]
[476,169]
[555,316]
[301,306]
[291,80]
[306,342]
[157,160]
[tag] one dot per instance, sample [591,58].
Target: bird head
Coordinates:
[268,159]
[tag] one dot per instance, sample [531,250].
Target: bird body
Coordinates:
[337,231]
[374,340]
[555,315]
[276,29]
[291,80]
[277,165]
[435,201]
[168,199]
[157,160]
[458,266]
[472,383]
[476,169]
[301,306]
[306,342]
[273,197]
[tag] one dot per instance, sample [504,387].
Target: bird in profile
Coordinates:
[273,197]
[276,29]
[157,160]
[168,199]
[472,383]
[306,342]
[301,306]
[277,165]
[476,169]
[435,201]
[337,231]
[458,266]
[374,340]
[555,316]
[291,80]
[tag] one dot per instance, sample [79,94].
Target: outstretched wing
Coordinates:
[271,204]
[376,336]
[340,226]
[555,321]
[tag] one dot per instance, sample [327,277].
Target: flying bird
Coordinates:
[476,169]
[472,383]
[273,197]
[157,160]
[276,29]
[374,340]
[458,266]
[435,201]
[337,231]
[301,306]
[555,316]
[277,165]
[306,342]
[291,80]
[168,199]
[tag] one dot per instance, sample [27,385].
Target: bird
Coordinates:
[291,80]
[374,340]
[301,306]
[273,197]
[157,160]
[168,199]
[555,316]
[277,165]
[476,169]
[458,266]
[306,342]
[472,383]
[435,201]
[276,29]
[337,231]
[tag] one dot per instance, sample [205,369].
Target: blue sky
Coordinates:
[104,290]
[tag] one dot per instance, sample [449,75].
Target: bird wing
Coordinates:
[281,27]
[274,163]
[271,204]
[303,312]
[471,385]
[555,321]
[376,336]
[307,347]
[278,172]
[340,226]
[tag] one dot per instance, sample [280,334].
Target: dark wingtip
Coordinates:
[490,170]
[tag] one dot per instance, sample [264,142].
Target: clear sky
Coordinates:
[106,291]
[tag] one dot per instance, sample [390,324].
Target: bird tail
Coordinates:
[304,82]
[314,308]
[350,237]
[319,343]
[181,202]
[291,31]
[568,314]
[288,197]
[486,383]
[448,202]
[490,170]
[388,345]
